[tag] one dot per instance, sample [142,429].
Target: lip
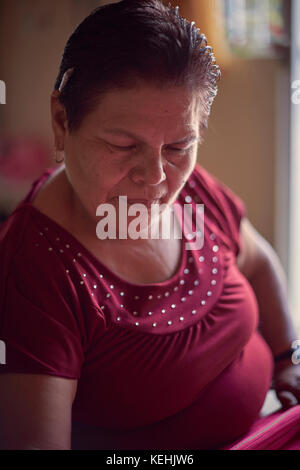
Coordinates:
[146,202]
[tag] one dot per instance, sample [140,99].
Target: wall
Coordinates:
[240,142]
[33,34]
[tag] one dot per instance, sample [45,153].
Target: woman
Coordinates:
[125,343]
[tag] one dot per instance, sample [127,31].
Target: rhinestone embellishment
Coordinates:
[185,291]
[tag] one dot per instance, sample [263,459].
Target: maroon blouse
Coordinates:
[172,365]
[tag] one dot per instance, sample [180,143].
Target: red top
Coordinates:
[172,365]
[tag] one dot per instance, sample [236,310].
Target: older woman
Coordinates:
[138,343]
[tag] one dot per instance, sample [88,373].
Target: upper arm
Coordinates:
[35,411]
[253,251]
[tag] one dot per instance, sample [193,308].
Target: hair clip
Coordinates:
[65,79]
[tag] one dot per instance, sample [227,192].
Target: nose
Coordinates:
[149,170]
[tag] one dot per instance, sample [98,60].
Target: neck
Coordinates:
[84,224]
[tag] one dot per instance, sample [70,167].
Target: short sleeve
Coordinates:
[38,324]
[225,208]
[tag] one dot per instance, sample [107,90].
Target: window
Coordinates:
[294,219]
[256,28]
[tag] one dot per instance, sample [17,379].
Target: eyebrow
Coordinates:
[188,139]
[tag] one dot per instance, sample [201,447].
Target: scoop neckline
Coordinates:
[97,262]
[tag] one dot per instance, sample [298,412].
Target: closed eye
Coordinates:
[178,149]
[122,148]
[174,149]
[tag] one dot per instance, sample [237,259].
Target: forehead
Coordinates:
[147,108]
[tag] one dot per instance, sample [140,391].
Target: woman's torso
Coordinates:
[173,364]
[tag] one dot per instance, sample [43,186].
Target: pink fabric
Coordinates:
[171,365]
[278,431]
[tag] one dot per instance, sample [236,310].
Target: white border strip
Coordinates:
[294,223]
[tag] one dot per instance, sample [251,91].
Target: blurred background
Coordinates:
[253,138]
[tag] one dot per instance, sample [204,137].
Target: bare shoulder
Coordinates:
[52,198]
[254,248]
[35,411]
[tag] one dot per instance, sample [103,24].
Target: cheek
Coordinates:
[92,167]
[179,174]
[175,183]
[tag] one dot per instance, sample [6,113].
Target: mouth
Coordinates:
[145,202]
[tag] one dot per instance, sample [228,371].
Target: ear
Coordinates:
[59,121]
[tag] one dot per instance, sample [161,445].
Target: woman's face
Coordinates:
[139,142]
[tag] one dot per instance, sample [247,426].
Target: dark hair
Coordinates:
[119,43]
